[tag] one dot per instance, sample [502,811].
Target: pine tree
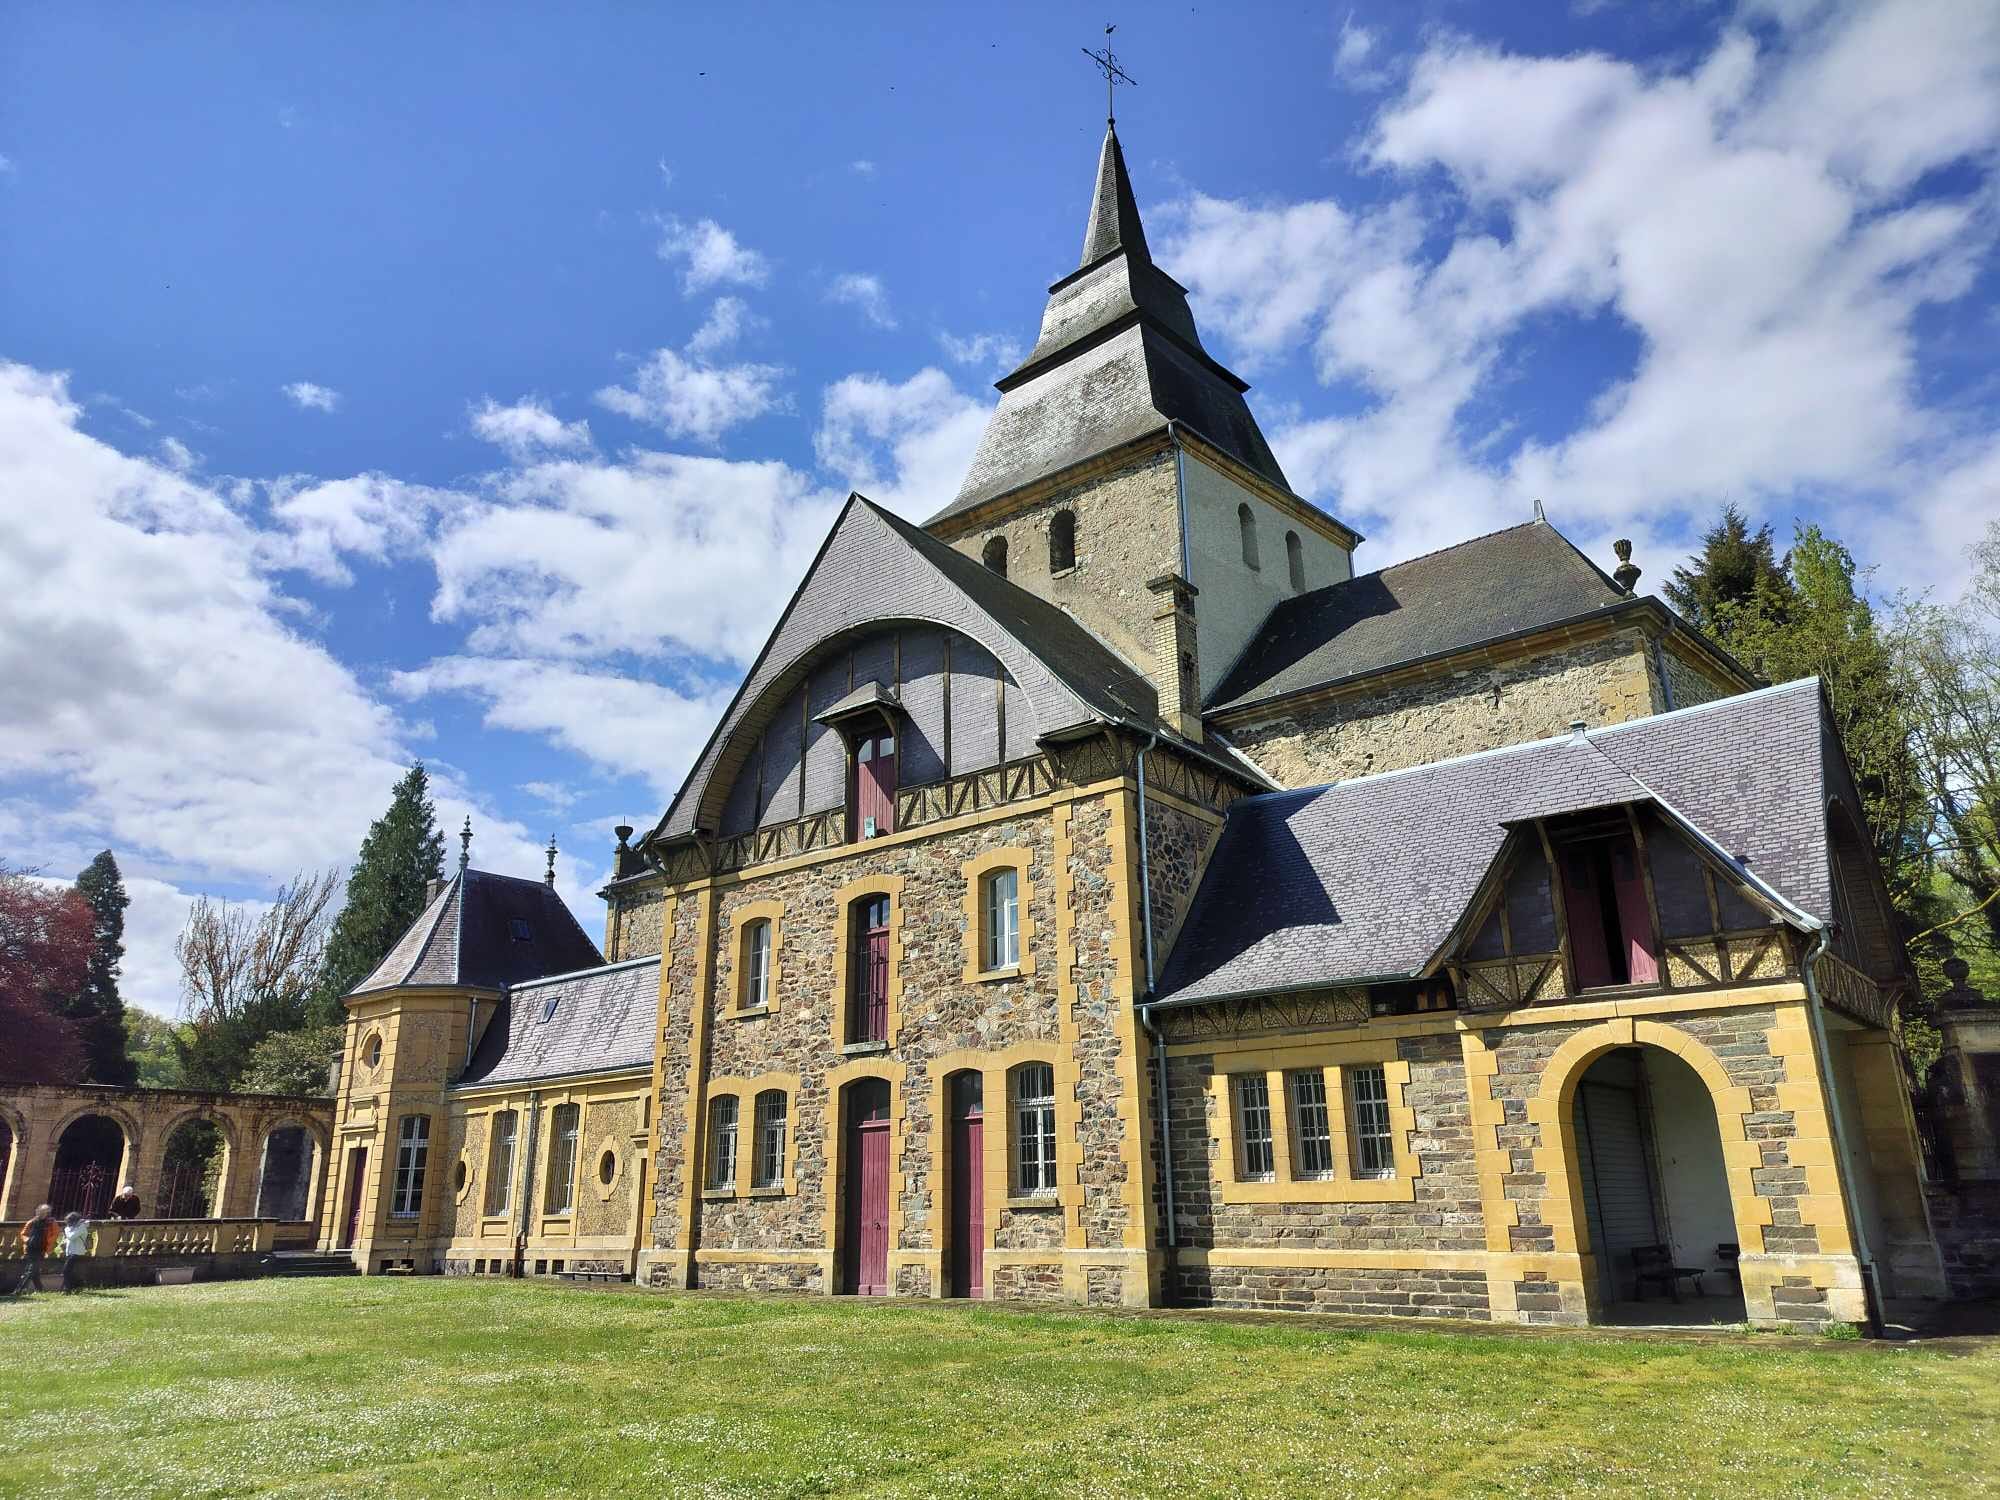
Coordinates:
[404,851]
[96,1011]
[1736,570]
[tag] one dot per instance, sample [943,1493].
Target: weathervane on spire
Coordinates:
[1107,64]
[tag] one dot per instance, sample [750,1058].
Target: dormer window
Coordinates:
[519,930]
[1610,920]
[549,1008]
[874,784]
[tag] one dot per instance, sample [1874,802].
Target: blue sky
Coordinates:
[474,383]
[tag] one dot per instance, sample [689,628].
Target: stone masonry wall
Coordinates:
[1176,844]
[1455,712]
[1102,907]
[635,926]
[1687,685]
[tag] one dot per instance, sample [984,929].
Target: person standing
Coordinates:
[75,1246]
[126,1204]
[38,1237]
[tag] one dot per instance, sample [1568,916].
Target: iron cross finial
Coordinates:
[1107,64]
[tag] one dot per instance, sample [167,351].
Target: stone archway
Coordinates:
[198,1155]
[1700,1090]
[91,1150]
[291,1161]
[13,1156]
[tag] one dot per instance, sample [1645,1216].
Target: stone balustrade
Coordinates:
[162,1239]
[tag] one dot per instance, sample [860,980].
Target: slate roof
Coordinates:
[466,936]
[1071,678]
[1363,880]
[599,1021]
[1118,357]
[1519,579]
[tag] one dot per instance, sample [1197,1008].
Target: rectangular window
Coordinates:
[500,1162]
[757,966]
[1256,1159]
[1368,1089]
[1312,1133]
[413,1150]
[1003,920]
[869,1021]
[561,1194]
[722,1141]
[1035,1129]
[768,1169]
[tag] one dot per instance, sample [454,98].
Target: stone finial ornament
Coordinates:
[465,845]
[1627,572]
[549,875]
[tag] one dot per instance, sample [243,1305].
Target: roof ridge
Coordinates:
[451,888]
[611,968]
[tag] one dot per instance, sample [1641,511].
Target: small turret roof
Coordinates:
[485,931]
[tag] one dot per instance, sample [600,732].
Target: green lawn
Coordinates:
[433,1387]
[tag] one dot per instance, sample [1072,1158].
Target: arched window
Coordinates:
[1295,559]
[722,1141]
[413,1150]
[995,555]
[1034,1110]
[868,1009]
[756,965]
[1062,541]
[1247,525]
[767,1167]
[1000,920]
[500,1162]
[561,1194]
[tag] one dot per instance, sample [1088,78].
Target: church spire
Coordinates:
[1114,212]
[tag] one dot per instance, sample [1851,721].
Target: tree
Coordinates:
[247,974]
[95,1009]
[402,853]
[46,939]
[151,1047]
[293,1062]
[1736,570]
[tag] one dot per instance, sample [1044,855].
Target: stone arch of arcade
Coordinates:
[98,1136]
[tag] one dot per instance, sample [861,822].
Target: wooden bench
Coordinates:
[592,1276]
[1653,1265]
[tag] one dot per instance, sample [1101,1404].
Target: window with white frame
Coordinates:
[722,1141]
[561,1195]
[767,1167]
[500,1161]
[1368,1091]
[1002,920]
[1035,1130]
[756,965]
[413,1150]
[1312,1131]
[1256,1158]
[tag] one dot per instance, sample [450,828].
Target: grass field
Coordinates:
[434,1387]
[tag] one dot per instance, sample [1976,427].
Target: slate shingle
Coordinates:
[467,936]
[599,1021]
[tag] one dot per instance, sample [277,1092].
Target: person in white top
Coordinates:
[75,1246]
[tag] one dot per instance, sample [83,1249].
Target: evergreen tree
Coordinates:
[1736,570]
[96,1011]
[404,851]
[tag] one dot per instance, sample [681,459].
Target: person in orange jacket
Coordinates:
[38,1237]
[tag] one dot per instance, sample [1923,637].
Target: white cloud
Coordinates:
[178,456]
[322,522]
[552,794]
[864,292]
[1357,57]
[686,398]
[862,168]
[7,166]
[905,446]
[528,427]
[727,321]
[309,397]
[711,255]
[666,173]
[986,351]
[1737,216]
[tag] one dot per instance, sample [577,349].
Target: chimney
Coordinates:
[431,889]
[623,852]
[1627,572]
[1176,665]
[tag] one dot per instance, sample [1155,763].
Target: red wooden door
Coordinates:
[968,1189]
[357,1178]
[867,1247]
[1635,917]
[875,786]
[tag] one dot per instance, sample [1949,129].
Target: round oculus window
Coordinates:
[458,1177]
[607,1167]
[372,1053]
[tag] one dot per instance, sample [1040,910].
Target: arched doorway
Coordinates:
[191,1171]
[968,1185]
[89,1153]
[864,1228]
[285,1175]
[1655,1204]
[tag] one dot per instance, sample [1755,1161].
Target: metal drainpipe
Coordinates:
[528,1183]
[1870,1277]
[1146,1010]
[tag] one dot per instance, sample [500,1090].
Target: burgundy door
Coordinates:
[875,786]
[867,1238]
[871,977]
[968,1188]
[356,1178]
[1635,918]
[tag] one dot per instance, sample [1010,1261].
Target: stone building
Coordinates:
[1470,938]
